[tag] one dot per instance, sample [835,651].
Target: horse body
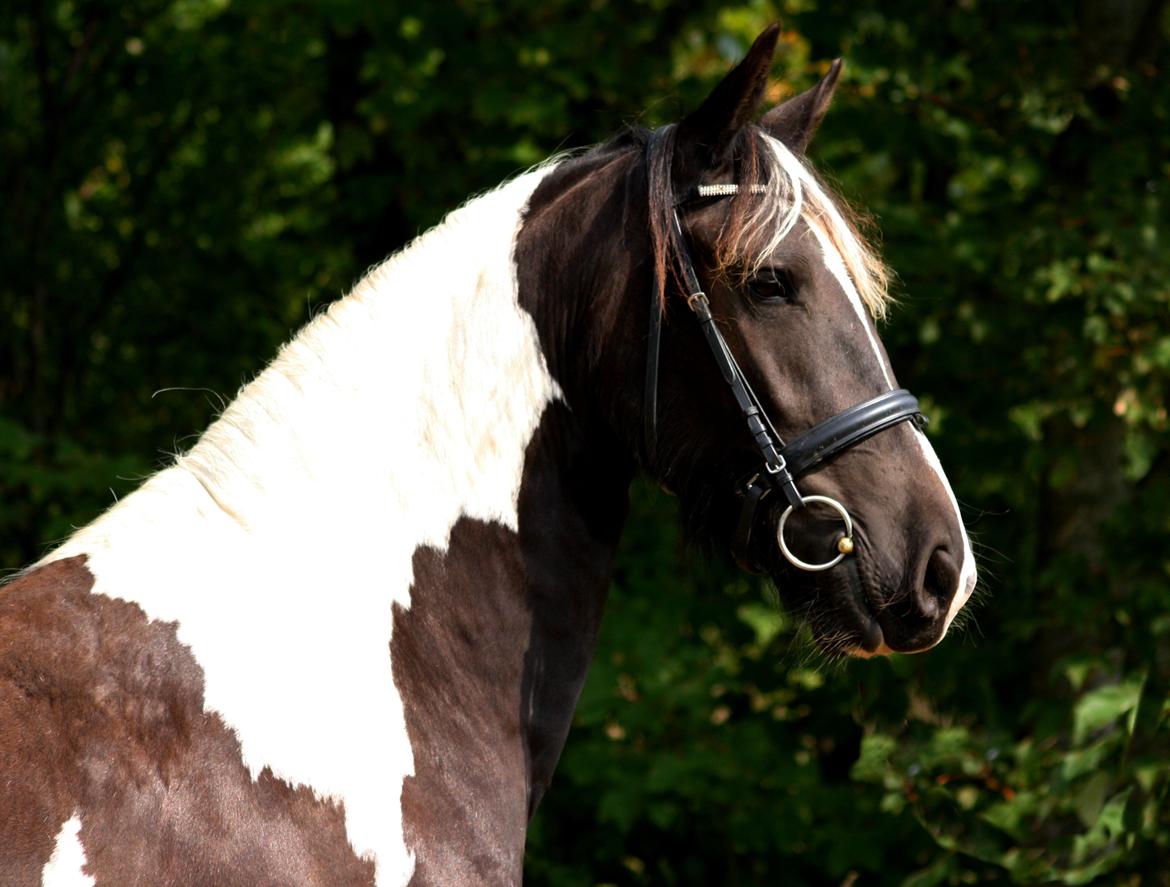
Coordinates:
[340,641]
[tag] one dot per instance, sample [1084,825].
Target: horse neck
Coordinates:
[405,405]
[572,512]
[507,624]
[404,464]
[485,750]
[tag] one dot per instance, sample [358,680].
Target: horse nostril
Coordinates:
[939,583]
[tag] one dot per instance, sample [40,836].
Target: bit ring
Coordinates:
[841,547]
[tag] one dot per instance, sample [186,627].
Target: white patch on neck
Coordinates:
[280,543]
[836,266]
[65,867]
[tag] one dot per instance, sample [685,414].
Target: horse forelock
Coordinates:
[758,221]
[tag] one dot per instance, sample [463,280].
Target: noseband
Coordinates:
[782,464]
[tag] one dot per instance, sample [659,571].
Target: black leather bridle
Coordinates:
[782,464]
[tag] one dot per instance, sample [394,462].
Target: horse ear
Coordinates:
[795,121]
[706,136]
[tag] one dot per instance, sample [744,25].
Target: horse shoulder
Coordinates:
[107,750]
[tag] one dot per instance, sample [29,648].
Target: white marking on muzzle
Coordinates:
[967,575]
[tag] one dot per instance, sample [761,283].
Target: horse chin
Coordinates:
[855,606]
[842,620]
[861,653]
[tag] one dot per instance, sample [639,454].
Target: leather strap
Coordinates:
[653,341]
[849,428]
[741,542]
[759,425]
[844,430]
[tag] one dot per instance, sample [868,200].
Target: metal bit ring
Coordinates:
[842,548]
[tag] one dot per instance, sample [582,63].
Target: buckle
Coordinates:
[699,296]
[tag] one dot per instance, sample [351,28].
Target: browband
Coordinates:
[720,190]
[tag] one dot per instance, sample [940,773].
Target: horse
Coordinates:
[339,641]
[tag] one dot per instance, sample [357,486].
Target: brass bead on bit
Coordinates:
[845,545]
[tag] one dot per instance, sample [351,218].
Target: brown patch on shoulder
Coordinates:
[491,655]
[459,671]
[101,713]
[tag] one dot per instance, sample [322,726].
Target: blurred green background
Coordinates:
[183,183]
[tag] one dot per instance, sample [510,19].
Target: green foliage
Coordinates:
[184,180]
[1044,808]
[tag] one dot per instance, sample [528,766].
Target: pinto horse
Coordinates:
[340,640]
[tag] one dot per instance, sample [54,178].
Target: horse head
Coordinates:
[726,303]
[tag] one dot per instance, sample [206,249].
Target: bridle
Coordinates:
[781,464]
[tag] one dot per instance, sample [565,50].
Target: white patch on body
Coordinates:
[280,543]
[65,867]
[828,215]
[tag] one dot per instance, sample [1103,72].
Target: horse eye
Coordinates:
[773,285]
